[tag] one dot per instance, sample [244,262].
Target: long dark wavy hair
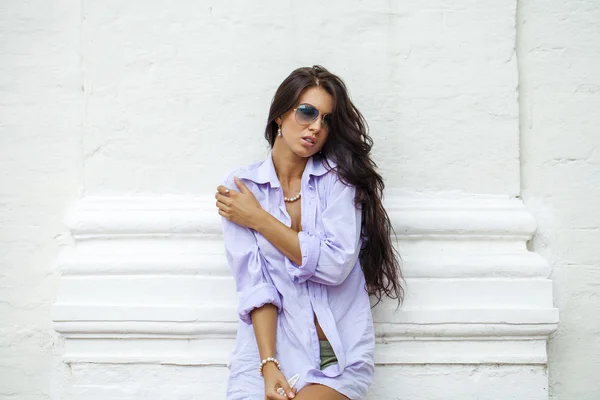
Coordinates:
[349,146]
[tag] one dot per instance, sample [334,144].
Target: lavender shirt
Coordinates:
[329,282]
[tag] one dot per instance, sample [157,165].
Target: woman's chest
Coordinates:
[295,215]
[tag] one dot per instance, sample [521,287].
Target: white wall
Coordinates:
[120,118]
[40,176]
[560,127]
[170,85]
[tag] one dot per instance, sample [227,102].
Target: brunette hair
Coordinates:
[349,145]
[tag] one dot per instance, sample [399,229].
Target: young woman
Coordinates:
[308,240]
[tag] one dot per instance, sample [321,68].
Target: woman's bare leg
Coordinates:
[319,392]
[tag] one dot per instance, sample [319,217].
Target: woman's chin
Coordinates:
[304,152]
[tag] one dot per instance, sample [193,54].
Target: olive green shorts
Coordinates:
[327,355]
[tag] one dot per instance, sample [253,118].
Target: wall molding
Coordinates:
[150,271]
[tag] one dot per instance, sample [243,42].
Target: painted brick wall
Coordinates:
[559,46]
[41,111]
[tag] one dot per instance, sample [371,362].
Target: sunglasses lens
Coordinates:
[306,114]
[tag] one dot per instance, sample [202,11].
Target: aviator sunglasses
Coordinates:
[307,114]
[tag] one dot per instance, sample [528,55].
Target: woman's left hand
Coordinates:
[240,207]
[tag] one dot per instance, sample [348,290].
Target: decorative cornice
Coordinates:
[141,266]
[413,216]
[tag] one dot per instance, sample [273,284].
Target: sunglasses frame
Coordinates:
[318,114]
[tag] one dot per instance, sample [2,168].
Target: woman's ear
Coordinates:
[279,121]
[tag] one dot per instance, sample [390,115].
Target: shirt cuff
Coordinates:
[310,247]
[256,297]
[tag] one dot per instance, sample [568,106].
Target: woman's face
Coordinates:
[307,139]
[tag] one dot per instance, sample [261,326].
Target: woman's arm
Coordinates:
[325,257]
[247,264]
[264,320]
[284,238]
[243,209]
[260,301]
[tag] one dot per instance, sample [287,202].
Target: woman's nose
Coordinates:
[317,123]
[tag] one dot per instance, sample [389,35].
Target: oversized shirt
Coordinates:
[329,283]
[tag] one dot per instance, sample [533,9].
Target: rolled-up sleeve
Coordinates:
[248,266]
[328,256]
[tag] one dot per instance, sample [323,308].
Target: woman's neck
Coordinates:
[288,166]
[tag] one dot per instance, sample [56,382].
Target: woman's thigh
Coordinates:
[319,392]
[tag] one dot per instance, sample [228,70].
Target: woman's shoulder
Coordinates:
[326,172]
[248,172]
[322,169]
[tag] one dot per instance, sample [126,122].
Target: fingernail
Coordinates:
[292,395]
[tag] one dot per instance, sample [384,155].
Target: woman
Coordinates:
[307,239]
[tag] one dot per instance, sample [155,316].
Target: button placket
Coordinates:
[310,212]
[309,225]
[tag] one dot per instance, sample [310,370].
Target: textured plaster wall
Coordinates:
[409,382]
[559,46]
[125,98]
[40,167]
[168,88]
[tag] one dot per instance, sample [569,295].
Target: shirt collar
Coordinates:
[265,172]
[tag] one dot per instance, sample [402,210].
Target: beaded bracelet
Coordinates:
[265,361]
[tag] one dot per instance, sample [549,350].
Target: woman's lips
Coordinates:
[309,142]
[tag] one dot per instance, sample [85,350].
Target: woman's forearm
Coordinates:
[285,239]
[264,321]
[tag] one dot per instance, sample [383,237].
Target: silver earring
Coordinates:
[279,131]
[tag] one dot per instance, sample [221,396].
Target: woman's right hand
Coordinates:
[275,379]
